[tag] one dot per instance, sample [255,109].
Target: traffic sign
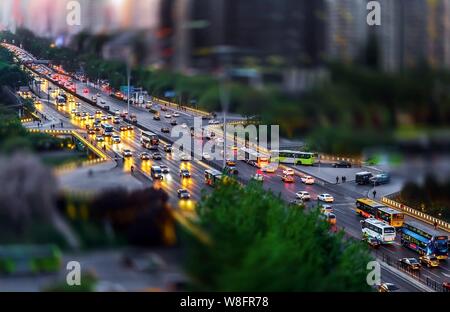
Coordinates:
[124,90]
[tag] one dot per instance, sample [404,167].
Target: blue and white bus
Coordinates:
[424,240]
[108,130]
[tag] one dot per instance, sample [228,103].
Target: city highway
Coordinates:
[344,196]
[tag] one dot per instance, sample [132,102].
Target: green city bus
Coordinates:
[212,177]
[293,157]
[29,259]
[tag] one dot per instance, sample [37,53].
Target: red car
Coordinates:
[85,90]
[446,286]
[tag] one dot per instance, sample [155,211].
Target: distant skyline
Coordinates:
[411,32]
[48,17]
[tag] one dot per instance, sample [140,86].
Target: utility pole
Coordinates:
[129,86]
[224,96]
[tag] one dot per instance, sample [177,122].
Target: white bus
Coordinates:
[254,158]
[378,229]
[108,130]
[149,140]
[293,157]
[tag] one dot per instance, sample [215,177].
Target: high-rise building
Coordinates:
[288,32]
[438,33]
[414,32]
[347,29]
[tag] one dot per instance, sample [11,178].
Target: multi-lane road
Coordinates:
[344,195]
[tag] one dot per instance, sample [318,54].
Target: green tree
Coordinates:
[261,244]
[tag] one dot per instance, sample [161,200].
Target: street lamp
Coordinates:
[224,53]
[225,103]
[128,86]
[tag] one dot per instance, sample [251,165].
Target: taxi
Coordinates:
[287,178]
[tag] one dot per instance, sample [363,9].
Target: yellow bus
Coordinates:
[369,208]
[391,216]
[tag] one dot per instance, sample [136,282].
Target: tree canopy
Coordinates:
[261,244]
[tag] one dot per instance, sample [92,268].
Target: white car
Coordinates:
[168,116]
[164,169]
[175,115]
[258,177]
[271,168]
[288,171]
[219,140]
[327,198]
[308,180]
[103,102]
[184,157]
[206,156]
[184,126]
[127,153]
[115,138]
[303,195]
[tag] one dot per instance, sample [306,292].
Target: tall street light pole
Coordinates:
[129,86]
[224,53]
[225,102]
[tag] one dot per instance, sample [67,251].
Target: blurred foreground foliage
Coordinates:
[118,217]
[261,244]
[358,107]
[27,198]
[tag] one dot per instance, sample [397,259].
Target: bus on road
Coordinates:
[30,259]
[212,177]
[369,208]
[254,158]
[108,130]
[379,230]
[424,240]
[293,157]
[61,100]
[149,140]
[391,216]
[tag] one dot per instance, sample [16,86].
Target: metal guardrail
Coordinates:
[97,151]
[26,120]
[69,167]
[417,214]
[189,109]
[416,274]
[331,158]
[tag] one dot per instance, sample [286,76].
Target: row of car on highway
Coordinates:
[157,172]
